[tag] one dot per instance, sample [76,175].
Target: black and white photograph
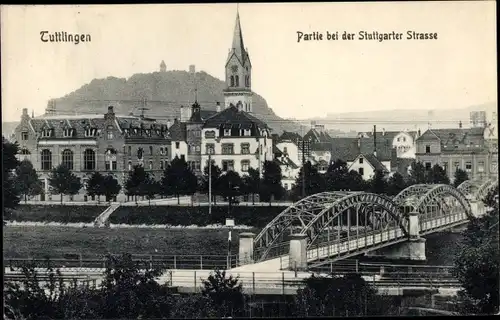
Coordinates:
[250,160]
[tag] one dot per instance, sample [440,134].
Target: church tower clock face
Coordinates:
[234,68]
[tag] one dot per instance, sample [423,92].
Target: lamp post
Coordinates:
[230,223]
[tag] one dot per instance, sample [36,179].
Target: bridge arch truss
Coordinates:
[330,216]
[485,188]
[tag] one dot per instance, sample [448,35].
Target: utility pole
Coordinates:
[209,184]
[303,168]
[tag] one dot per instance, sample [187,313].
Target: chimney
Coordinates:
[419,133]
[319,127]
[217,106]
[192,68]
[25,112]
[460,124]
[110,109]
[176,120]
[168,124]
[383,131]
[359,142]
[375,140]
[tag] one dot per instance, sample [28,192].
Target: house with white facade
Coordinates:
[233,138]
[236,141]
[367,164]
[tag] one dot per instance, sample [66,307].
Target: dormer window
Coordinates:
[247,132]
[68,132]
[46,133]
[110,133]
[227,132]
[90,132]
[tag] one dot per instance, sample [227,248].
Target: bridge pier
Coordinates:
[246,248]
[413,249]
[298,252]
[477,207]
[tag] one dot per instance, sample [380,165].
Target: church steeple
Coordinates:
[238,91]
[238,45]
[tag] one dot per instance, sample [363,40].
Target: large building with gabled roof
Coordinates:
[110,144]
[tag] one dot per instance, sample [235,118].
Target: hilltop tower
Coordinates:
[163,66]
[238,90]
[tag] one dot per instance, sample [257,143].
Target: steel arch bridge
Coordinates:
[350,218]
[477,189]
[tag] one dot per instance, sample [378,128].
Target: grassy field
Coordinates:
[38,242]
[55,213]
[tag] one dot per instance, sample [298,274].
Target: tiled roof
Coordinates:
[317,136]
[345,149]
[388,135]
[234,117]
[291,136]
[80,124]
[205,114]
[456,139]
[178,131]
[384,148]
[374,162]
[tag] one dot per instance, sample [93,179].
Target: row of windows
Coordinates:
[457,165]
[228,165]
[89,159]
[140,151]
[89,132]
[228,148]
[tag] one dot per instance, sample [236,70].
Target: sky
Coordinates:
[298,79]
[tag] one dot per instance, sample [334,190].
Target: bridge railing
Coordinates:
[147,261]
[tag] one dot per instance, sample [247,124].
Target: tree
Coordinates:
[10,194]
[226,294]
[271,181]
[26,180]
[396,184]
[229,185]
[378,184]
[347,295]
[355,181]
[314,181]
[437,175]
[417,173]
[251,182]
[130,293]
[110,187]
[178,179]
[215,173]
[336,176]
[136,182]
[95,186]
[476,264]
[459,177]
[126,292]
[152,188]
[62,181]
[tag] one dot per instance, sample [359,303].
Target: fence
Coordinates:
[150,261]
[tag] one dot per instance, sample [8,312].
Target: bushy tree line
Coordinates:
[477,262]
[178,179]
[338,177]
[133,291]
